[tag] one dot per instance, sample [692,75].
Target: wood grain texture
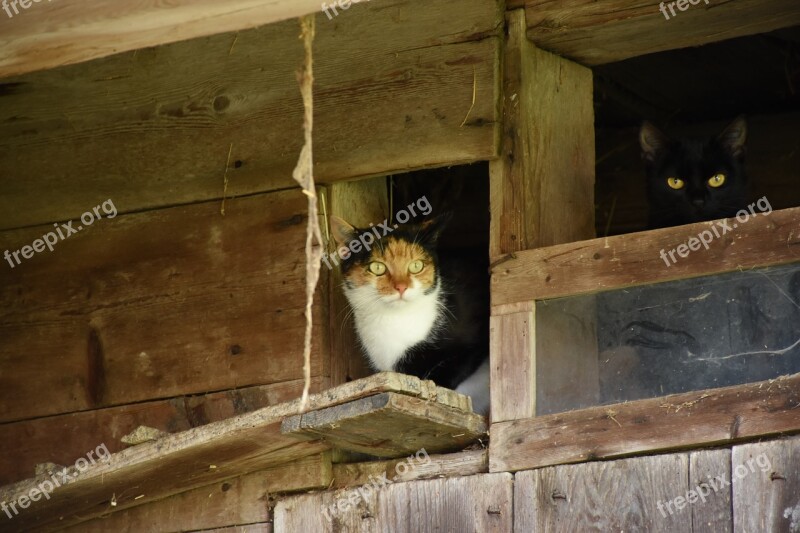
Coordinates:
[157,305]
[389,425]
[49,35]
[62,439]
[629,260]
[698,418]
[713,513]
[480,503]
[512,348]
[766,486]
[542,185]
[191,459]
[604,496]
[154,127]
[593,33]
[242,500]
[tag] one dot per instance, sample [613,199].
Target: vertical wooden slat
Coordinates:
[766,486]
[360,203]
[607,496]
[513,364]
[712,513]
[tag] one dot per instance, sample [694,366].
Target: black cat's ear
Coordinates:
[341,231]
[734,136]
[652,141]
[431,229]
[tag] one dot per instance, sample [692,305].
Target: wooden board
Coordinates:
[699,418]
[62,439]
[389,425]
[605,496]
[394,89]
[70,31]
[199,457]
[542,187]
[512,345]
[157,305]
[628,260]
[242,500]
[766,486]
[594,33]
[714,512]
[473,503]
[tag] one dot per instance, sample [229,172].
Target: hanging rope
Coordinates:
[304,175]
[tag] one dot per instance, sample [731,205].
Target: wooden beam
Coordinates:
[157,305]
[512,345]
[31,442]
[593,33]
[394,89]
[48,35]
[389,425]
[767,239]
[542,187]
[202,456]
[700,418]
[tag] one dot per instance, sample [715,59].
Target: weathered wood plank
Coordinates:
[698,418]
[471,503]
[399,80]
[766,486]
[606,263]
[51,35]
[604,496]
[242,500]
[389,425]
[157,305]
[194,458]
[64,438]
[593,33]
[714,511]
[542,186]
[512,345]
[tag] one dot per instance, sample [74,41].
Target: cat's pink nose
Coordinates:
[401,288]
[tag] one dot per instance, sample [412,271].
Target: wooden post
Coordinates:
[542,193]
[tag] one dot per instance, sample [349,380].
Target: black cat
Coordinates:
[691,180]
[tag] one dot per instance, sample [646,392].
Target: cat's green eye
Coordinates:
[675,183]
[416,267]
[377,268]
[716,180]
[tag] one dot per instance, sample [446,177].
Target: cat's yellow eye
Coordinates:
[377,268]
[716,180]
[416,267]
[675,183]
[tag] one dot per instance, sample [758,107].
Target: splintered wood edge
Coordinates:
[321,424]
[687,420]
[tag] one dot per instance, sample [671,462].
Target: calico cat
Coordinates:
[692,181]
[416,312]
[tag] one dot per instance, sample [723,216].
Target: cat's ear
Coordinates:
[341,231]
[431,229]
[652,141]
[734,136]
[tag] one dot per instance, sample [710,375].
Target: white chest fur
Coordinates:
[388,330]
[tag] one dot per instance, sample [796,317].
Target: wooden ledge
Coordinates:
[254,441]
[700,418]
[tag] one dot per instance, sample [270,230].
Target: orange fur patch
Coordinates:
[397,255]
